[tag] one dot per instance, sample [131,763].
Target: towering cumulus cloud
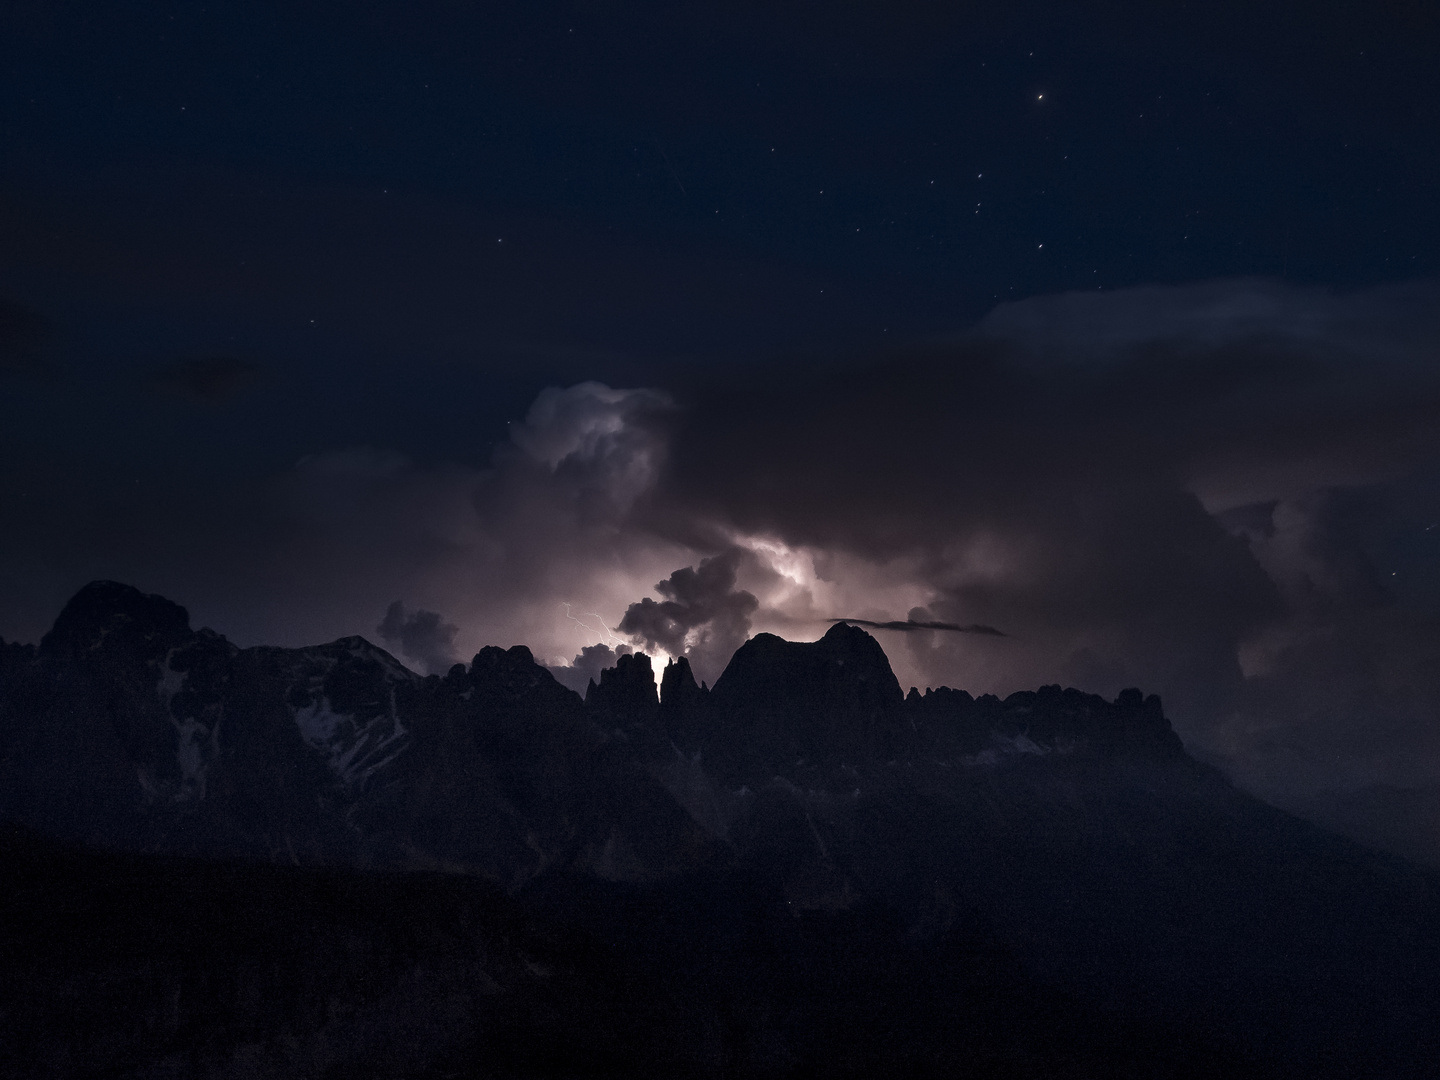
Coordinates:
[703,615]
[593,431]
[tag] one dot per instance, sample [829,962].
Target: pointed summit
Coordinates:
[117,619]
[626,692]
[678,687]
[684,705]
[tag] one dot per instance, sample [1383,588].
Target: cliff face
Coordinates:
[1073,831]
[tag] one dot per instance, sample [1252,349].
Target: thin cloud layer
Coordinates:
[912,625]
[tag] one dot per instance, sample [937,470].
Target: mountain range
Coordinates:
[800,871]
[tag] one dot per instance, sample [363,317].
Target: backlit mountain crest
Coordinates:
[338,751]
[803,781]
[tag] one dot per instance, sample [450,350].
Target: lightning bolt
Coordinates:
[588,630]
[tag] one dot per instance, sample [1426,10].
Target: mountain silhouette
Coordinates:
[786,873]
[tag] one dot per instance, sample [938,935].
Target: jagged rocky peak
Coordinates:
[364,651]
[348,676]
[1050,717]
[1131,721]
[777,700]
[678,688]
[14,653]
[347,672]
[626,690]
[511,674]
[845,671]
[116,619]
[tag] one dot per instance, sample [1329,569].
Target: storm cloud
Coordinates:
[423,636]
[1227,494]
[702,615]
[589,662]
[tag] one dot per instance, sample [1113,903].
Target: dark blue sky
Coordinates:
[473,200]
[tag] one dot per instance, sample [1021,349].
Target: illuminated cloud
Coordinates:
[1072,471]
[606,442]
[587,665]
[703,615]
[1220,493]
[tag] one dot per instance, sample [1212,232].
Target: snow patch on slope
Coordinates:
[353,750]
[197,740]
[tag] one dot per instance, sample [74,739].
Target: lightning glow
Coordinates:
[606,635]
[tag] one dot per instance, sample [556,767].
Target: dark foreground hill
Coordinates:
[320,864]
[144,966]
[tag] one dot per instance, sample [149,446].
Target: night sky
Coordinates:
[1115,327]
